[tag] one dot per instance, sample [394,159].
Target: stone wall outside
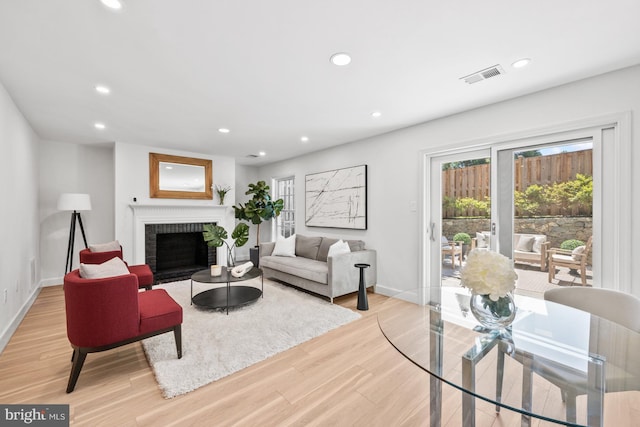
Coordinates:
[557,229]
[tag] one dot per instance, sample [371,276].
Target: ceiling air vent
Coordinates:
[485,74]
[252,156]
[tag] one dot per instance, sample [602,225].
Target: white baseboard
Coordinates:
[411,296]
[55,281]
[15,322]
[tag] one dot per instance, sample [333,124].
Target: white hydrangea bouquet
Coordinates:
[490,275]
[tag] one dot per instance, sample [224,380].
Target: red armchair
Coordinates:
[107,313]
[144,273]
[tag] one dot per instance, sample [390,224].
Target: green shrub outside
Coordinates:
[467,204]
[569,195]
[462,237]
[571,244]
[535,200]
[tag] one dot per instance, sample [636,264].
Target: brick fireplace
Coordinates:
[172,235]
[176,251]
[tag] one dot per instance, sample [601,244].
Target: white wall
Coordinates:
[394,163]
[132,181]
[19,257]
[73,168]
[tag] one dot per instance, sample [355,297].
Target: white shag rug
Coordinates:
[215,344]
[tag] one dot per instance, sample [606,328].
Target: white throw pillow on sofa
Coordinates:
[114,267]
[338,248]
[285,247]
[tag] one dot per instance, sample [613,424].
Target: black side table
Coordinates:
[363,304]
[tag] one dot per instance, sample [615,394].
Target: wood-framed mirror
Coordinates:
[177,177]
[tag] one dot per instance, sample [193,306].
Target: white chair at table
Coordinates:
[617,307]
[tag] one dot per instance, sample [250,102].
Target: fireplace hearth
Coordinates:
[176,251]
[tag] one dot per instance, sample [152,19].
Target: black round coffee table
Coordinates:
[227,296]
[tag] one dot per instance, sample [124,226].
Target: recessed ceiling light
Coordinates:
[376,114]
[100,126]
[112,4]
[340,59]
[262,153]
[521,63]
[101,89]
[224,130]
[304,139]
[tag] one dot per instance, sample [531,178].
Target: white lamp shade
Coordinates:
[74,202]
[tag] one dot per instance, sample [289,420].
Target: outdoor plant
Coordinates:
[216,236]
[462,237]
[259,208]
[465,204]
[571,244]
[221,192]
[531,200]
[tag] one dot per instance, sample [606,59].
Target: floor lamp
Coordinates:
[74,202]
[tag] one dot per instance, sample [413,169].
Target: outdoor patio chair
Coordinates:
[451,249]
[576,259]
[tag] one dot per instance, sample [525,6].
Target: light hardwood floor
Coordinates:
[348,377]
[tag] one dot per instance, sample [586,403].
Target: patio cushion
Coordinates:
[525,244]
[565,258]
[537,243]
[482,240]
[577,252]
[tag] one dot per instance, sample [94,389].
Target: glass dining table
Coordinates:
[573,352]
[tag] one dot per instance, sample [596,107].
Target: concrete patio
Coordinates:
[531,281]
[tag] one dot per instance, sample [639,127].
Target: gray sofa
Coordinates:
[313,271]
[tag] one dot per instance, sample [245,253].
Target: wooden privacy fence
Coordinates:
[474,181]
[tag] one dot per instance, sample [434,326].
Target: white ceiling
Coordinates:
[179,70]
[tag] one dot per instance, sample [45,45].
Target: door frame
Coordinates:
[612,163]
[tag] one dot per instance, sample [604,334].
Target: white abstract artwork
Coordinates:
[337,198]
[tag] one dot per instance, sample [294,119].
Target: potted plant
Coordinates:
[466,242]
[216,235]
[261,207]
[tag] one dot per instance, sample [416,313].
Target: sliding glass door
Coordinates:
[459,188]
[521,199]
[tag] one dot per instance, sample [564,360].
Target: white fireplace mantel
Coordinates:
[175,214]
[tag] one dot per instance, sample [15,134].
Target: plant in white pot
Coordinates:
[260,208]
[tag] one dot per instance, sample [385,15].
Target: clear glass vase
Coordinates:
[493,314]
